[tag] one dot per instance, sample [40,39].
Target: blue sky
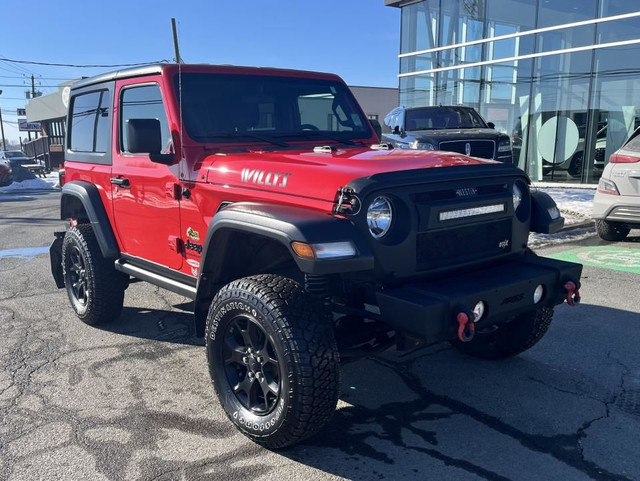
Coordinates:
[357,39]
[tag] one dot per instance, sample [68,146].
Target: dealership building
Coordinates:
[561,77]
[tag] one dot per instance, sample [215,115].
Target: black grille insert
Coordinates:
[479,148]
[457,245]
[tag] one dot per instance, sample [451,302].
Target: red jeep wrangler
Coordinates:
[265,197]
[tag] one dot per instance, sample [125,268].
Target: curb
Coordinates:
[580,225]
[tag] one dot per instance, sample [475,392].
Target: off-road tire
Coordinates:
[510,339]
[299,332]
[102,297]
[611,231]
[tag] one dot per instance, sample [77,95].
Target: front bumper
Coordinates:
[427,310]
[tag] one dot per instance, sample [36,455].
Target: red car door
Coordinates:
[145,207]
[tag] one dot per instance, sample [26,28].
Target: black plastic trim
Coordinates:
[541,221]
[428,309]
[90,198]
[287,224]
[156,279]
[161,270]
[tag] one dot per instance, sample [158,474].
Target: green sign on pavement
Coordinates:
[616,258]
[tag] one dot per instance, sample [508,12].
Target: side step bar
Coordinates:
[156,279]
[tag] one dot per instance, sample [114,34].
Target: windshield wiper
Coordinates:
[245,135]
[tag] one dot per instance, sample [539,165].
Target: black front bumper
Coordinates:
[427,310]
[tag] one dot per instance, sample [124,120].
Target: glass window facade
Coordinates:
[562,78]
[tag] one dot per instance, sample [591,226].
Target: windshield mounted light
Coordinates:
[324,250]
[379,215]
[415,145]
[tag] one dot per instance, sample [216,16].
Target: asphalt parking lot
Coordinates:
[132,400]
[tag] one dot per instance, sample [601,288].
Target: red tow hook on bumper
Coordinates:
[466,329]
[573,294]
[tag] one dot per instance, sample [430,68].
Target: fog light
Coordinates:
[538,293]
[478,311]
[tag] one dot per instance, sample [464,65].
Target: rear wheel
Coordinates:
[510,339]
[272,359]
[611,231]
[95,288]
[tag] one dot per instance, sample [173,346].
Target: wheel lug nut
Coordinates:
[250,375]
[260,359]
[245,359]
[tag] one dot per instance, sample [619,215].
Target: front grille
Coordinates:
[484,149]
[448,247]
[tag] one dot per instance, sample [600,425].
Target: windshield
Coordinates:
[246,108]
[13,155]
[430,118]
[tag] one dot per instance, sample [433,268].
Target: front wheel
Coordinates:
[510,339]
[273,359]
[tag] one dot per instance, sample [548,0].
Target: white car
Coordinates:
[616,205]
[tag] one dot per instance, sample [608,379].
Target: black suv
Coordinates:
[450,128]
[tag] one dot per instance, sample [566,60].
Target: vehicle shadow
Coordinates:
[159,325]
[439,412]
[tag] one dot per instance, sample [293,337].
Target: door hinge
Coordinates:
[173,191]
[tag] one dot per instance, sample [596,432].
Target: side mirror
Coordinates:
[377,128]
[144,137]
[491,125]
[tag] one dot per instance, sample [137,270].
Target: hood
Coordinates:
[318,175]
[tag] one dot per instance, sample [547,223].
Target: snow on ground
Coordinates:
[47,183]
[575,205]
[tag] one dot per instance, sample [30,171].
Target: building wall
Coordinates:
[561,77]
[376,101]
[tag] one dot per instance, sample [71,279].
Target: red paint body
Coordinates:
[156,220]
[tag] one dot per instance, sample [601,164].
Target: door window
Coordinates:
[144,102]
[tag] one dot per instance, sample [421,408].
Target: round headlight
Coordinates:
[517,196]
[478,311]
[379,216]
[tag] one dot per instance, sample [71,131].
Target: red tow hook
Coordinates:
[466,329]
[573,294]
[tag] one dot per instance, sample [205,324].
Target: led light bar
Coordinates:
[462,213]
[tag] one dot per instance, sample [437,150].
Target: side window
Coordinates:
[90,122]
[143,102]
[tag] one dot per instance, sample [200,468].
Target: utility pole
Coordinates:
[33,96]
[175,41]
[4,145]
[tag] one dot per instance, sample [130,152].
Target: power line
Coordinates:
[28,85]
[49,64]
[25,77]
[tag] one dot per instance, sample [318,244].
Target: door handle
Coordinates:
[121,181]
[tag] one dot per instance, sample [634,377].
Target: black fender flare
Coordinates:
[541,220]
[284,224]
[88,195]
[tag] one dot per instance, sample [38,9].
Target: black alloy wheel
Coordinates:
[273,359]
[251,365]
[78,276]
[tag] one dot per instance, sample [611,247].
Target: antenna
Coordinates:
[179,62]
[175,40]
